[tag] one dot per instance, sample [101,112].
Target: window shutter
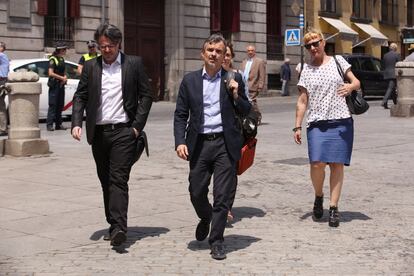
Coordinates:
[235,16]
[215,15]
[73,8]
[42,7]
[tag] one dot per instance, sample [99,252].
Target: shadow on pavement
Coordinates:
[345,216]
[134,234]
[231,242]
[240,213]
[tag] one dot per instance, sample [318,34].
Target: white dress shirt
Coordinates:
[111,107]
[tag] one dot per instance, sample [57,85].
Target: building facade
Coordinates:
[169,34]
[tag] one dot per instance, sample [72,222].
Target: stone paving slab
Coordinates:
[52,218]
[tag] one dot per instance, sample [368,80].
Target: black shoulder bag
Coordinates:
[249,122]
[356,103]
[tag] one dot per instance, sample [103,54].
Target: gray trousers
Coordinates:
[285,88]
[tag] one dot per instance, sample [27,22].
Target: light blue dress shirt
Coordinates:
[247,70]
[211,103]
[4,65]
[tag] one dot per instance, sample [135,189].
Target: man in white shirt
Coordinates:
[114,91]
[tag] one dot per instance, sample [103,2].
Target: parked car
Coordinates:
[369,71]
[41,66]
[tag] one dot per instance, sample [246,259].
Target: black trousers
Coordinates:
[211,159]
[56,103]
[113,151]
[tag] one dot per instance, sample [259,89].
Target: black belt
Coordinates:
[211,136]
[2,78]
[109,127]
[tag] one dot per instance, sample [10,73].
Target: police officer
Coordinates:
[90,55]
[56,83]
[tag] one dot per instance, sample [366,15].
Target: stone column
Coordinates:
[405,83]
[24,132]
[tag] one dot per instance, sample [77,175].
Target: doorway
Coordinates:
[144,36]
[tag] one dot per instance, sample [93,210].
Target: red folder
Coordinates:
[247,156]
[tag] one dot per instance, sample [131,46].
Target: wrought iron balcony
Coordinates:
[59,29]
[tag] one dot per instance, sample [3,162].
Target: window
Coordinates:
[225,16]
[40,68]
[410,10]
[71,71]
[59,20]
[362,9]
[367,65]
[389,12]
[274,30]
[328,6]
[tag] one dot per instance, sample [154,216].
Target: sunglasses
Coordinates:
[314,44]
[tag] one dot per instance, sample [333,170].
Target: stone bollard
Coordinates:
[24,132]
[405,83]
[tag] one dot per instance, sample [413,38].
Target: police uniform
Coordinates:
[56,93]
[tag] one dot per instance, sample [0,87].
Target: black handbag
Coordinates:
[356,103]
[247,123]
[142,143]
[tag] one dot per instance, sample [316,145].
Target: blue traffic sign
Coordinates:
[292,37]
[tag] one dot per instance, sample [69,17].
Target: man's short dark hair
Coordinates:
[110,31]
[3,45]
[215,38]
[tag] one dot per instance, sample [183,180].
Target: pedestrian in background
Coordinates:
[117,105]
[389,60]
[56,83]
[410,57]
[254,73]
[207,135]
[92,53]
[330,130]
[4,72]
[285,75]
[228,66]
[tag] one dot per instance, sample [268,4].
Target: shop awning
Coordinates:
[373,33]
[342,28]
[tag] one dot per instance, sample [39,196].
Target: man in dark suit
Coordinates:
[211,140]
[389,60]
[114,91]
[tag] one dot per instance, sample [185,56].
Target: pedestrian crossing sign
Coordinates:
[292,37]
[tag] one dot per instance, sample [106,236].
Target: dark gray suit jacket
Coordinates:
[136,94]
[389,60]
[189,113]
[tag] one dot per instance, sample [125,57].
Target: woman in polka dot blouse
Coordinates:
[330,130]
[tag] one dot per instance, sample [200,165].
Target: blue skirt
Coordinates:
[331,141]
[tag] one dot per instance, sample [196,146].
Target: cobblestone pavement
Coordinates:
[52,219]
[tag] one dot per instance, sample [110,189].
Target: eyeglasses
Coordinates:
[109,47]
[314,44]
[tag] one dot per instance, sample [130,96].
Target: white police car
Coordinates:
[41,66]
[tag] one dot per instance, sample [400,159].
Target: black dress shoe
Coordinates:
[202,230]
[50,128]
[61,127]
[385,106]
[318,207]
[3,133]
[218,252]
[118,237]
[333,216]
[107,237]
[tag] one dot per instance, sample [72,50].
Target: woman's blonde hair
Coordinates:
[312,34]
